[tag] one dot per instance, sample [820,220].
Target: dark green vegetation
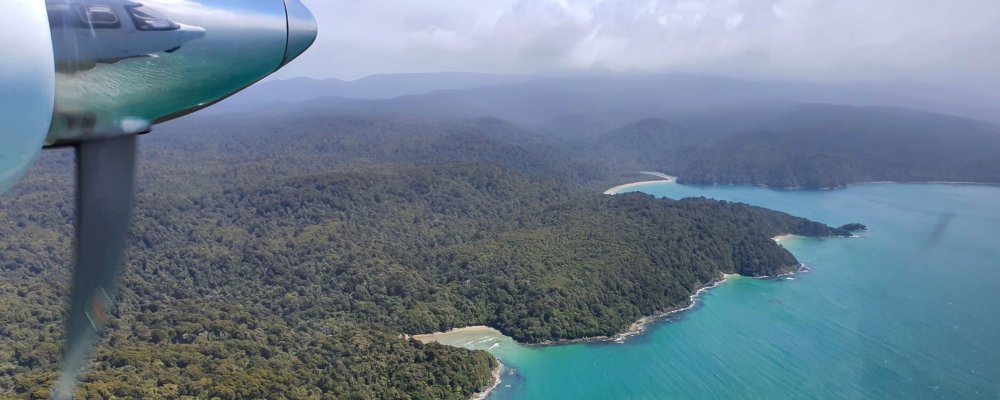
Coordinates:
[180,333]
[854,227]
[810,146]
[820,146]
[284,257]
[710,130]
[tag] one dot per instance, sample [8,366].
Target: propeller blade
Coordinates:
[105,191]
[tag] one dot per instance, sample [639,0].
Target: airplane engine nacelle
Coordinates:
[124,65]
[27,89]
[74,71]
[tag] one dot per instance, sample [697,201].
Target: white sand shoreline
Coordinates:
[659,175]
[669,178]
[784,238]
[637,328]
[664,178]
[479,329]
[437,336]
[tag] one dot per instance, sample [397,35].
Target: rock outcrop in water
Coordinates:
[854,227]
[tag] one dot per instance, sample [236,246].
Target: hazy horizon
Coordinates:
[935,42]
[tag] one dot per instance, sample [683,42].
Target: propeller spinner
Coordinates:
[93,74]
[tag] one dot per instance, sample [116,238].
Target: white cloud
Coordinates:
[734,21]
[934,40]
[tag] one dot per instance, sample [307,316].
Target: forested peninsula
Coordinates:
[255,274]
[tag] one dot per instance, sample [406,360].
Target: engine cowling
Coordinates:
[27,88]
[83,70]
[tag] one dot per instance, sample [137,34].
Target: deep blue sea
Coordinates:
[909,310]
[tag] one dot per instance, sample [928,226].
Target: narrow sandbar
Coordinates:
[664,178]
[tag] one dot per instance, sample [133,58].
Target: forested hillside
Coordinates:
[818,146]
[806,146]
[287,261]
[591,131]
[239,149]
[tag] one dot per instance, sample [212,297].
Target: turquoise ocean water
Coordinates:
[910,310]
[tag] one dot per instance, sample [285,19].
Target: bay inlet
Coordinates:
[906,310]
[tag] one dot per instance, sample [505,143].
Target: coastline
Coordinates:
[478,329]
[784,238]
[923,183]
[663,178]
[497,373]
[848,185]
[637,328]
[640,326]
[437,336]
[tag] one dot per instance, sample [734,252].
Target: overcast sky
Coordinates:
[936,41]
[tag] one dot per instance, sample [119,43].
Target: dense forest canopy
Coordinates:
[806,146]
[704,130]
[818,146]
[287,259]
[802,146]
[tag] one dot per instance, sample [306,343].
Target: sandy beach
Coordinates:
[637,328]
[663,178]
[466,331]
[784,238]
[438,336]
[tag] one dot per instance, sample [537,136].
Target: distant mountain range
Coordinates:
[812,146]
[369,88]
[705,129]
[606,100]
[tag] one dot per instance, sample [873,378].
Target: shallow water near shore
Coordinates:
[909,310]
